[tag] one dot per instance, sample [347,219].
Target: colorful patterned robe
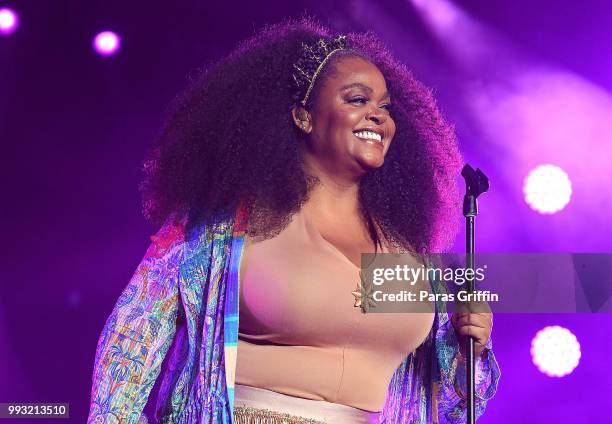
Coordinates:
[184,299]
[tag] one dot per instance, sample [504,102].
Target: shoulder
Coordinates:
[178,236]
[169,238]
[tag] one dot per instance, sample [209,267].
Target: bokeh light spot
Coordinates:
[547,189]
[555,351]
[9,21]
[107,43]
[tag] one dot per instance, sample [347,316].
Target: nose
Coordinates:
[376,115]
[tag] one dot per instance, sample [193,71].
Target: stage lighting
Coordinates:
[555,351]
[9,21]
[547,189]
[442,14]
[107,43]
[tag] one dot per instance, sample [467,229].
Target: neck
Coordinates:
[335,197]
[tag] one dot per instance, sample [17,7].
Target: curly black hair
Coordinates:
[230,140]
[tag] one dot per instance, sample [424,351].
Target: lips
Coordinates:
[373,136]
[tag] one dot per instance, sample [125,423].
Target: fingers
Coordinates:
[481,320]
[473,307]
[480,335]
[476,325]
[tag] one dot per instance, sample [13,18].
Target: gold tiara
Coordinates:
[313,60]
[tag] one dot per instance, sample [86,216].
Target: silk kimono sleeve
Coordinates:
[138,333]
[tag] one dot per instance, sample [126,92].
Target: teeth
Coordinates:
[368,135]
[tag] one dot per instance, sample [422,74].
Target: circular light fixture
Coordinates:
[547,189]
[555,351]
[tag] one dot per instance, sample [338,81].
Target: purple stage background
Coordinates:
[525,82]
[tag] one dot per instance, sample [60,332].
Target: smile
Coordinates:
[370,136]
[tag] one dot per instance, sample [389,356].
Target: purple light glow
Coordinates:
[541,114]
[107,43]
[443,15]
[9,21]
[547,189]
[555,351]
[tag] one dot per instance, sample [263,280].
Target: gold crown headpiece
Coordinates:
[313,60]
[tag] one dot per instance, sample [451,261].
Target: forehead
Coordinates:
[349,70]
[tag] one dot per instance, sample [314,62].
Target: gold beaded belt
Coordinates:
[251,415]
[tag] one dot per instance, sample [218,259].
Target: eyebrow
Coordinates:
[364,88]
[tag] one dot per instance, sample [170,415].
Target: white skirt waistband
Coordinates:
[318,410]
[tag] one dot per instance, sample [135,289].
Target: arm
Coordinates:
[138,333]
[450,369]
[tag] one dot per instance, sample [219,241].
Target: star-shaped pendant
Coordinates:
[363,295]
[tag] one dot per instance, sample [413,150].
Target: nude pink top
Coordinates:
[300,333]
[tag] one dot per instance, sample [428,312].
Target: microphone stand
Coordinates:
[476,183]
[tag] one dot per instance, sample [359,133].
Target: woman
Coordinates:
[278,168]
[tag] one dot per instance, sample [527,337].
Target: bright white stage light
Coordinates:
[107,43]
[547,189]
[9,21]
[555,351]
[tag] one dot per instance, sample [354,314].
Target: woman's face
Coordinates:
[350,126]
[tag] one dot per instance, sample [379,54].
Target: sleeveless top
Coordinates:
[299,332]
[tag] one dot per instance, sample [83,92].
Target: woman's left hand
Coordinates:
[474,324]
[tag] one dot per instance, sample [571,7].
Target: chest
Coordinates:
[301,294]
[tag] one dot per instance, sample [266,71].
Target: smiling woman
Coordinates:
[350,126]
[278,168]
